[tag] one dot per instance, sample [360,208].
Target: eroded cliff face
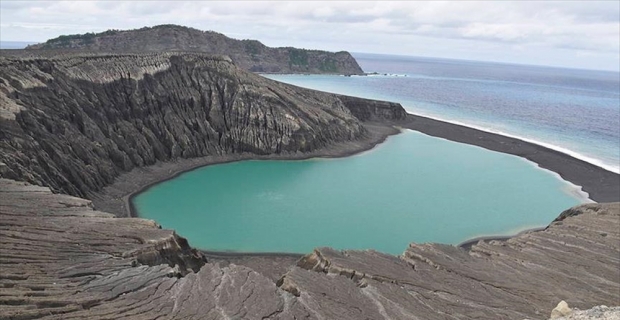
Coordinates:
[250,55]
[74,122]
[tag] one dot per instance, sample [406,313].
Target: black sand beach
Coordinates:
[600,184]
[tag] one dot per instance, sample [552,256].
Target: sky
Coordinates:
[574,34]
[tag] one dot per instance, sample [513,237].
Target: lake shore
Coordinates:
[117,197]
[600,184]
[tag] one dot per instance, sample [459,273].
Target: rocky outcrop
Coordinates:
[75,122]
[247,54]
[373,110]
[595,313]
[576,259]
[63,260]
[561,310]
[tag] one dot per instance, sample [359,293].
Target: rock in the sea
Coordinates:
[561,310]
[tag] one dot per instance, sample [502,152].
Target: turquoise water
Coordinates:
[412,188]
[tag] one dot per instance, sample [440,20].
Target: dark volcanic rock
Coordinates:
[247,54]
[60,259]
[373,110]
[75,122]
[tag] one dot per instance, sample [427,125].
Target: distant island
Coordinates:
[250,55]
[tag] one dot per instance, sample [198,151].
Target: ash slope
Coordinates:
[74,122]
[63,260]
[251,55]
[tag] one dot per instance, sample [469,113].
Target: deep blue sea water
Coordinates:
[573,111]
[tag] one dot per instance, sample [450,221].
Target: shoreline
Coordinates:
[599,184]
[149,259]
[467,244]
[235,254]
[565,151]
[576,191]
[117,197]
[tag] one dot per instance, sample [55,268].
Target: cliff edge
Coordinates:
[63,260]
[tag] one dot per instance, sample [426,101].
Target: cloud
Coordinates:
[487,31]
[551,27]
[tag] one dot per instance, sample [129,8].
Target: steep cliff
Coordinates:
[63,260]
[251,55]
[74,122]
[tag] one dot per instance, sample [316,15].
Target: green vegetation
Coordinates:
[252,46]
[87,37]
[166,26]
[298,57]
[328,65]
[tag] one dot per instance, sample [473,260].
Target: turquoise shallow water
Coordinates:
[412,188]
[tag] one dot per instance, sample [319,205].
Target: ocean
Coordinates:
[573,111]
